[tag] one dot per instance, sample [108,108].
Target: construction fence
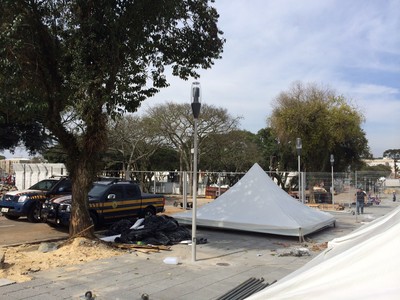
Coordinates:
[314,187]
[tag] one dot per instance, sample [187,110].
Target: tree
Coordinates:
[132,139]
[326,123]
[55,154]
[73,65]
[175,124]
[135,144]
[234,151]
[395,155]
[268,144]
[16,126]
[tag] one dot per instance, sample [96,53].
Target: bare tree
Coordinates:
[132,139]
[175,124]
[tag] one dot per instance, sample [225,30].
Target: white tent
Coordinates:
[361,265]
[257,204]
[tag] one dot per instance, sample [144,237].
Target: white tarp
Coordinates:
[361,265]
[257,204]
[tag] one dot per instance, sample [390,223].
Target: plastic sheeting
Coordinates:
[361,265]
[257,204]
[154,230]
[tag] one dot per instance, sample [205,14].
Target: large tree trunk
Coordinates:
[80,222]
[83,166]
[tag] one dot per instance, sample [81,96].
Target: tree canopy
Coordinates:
[327,124]
[175,124]
[233,151]
[70,66]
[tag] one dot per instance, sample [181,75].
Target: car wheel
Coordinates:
[34,213]
[148,211]
[11,217]
[94,219]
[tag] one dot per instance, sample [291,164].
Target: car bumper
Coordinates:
[12,209]
[50,216]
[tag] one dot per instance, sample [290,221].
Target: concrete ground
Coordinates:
[226,260]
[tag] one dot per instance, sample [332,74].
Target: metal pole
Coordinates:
[194,211]
[300,183]
[333,192]
[184,189]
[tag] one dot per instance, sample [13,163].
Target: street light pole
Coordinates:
[196,105]
[332,188]
[299,146]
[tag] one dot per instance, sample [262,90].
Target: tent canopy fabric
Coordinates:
[361,265]
[257,204]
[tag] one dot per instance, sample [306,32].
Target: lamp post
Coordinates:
[299,146]
[332,188]
[196,105]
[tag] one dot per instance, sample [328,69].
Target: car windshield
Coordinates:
[44,185]
[97,190]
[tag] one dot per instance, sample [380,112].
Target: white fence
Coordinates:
[27,175]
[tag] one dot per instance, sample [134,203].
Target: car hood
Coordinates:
[62,199]
[24,192]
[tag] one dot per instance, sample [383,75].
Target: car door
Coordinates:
[133,200]
[114,207]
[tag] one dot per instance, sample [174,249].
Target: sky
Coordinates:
[352,47]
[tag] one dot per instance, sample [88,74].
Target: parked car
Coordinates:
[108,202]
[27,203]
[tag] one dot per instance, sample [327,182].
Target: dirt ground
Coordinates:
[23,260]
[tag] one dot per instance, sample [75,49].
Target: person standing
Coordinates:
[360,200]
[394,196]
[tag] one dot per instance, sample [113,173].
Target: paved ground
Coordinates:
[228,259]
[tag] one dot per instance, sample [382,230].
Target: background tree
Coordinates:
[325,122]
[234,151]
[96,60]
[269,146]
[277,157]
[55,154]
[175,124]
[131,140]
[395,155]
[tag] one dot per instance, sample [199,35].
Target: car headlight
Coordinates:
[65,207]
[23,198]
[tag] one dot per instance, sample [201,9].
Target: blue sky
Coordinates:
[353,47]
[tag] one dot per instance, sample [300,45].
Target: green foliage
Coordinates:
[234,151]
[325,122]
[73,65]
[387,170]
[175,123]
[55,154]
[163,159]
[392,153]
[395,155]
[268,145]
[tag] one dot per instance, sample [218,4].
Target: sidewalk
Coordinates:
[228,259]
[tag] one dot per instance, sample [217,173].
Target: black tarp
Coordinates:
[154,230]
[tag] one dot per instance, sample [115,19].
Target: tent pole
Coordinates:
[301,237]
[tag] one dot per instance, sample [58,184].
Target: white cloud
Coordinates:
[351,46]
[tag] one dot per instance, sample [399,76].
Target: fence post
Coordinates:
[184,189]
